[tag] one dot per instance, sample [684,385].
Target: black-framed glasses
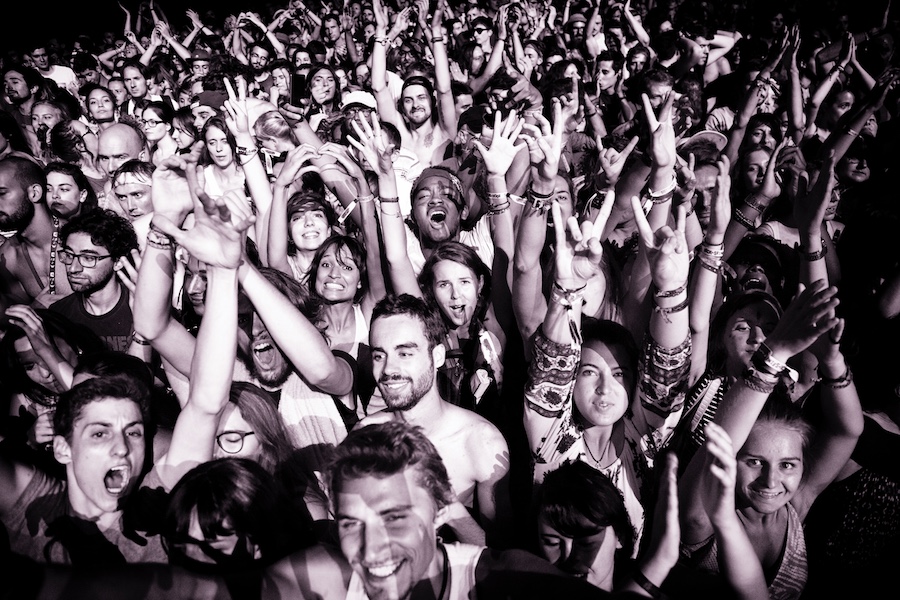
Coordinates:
[232,442]
[87,260]
[150,122]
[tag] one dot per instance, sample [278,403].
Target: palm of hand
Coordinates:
[668,259]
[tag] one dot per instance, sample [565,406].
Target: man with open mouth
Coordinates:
[100,440]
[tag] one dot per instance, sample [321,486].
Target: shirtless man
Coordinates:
[406,340]
[30,269]
[426,121]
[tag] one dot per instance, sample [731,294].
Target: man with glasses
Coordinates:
[94,248]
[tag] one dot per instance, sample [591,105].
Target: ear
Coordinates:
[61,450]
[82,197]
[35,193]
[438,354]
[142,155]
[464,212]
[117,266]
[480,284]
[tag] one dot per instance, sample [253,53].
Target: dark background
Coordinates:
[65,20]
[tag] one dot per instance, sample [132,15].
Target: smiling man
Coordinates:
[100,440]
[406,338]
[391,492]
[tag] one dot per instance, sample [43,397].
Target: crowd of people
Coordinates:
[452,299]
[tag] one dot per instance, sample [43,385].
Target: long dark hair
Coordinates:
[357,253]
[464,255]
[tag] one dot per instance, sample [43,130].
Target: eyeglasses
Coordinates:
[232,442]
[87,261]
[150,122]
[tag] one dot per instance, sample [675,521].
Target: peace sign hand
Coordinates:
[578,253]
[236,116]
[662,140]
[666,249]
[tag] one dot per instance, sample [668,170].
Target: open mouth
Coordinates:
[116,479]
[438,216]
[753,283]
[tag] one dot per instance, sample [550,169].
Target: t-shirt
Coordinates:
[63,76]
[114,327]
[41,526]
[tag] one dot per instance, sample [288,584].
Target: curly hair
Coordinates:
[106,228]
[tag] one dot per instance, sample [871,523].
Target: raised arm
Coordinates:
[387,110]
[707,270]
[442,77]
[370,142]
[216,239]
[153,320]
[737,558]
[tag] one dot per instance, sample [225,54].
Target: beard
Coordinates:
[409,398]
[18,220]
[273,377]
[89,286]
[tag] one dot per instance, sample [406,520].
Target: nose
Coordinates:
[769,476]
[565,552]
[757,336]
[120,445]
[195,285]
[374,541]
[75,267]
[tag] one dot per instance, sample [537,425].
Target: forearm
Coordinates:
[153,292]
[216,342]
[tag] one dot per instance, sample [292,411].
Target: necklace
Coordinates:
[446,573]
[591,454]
[54,242]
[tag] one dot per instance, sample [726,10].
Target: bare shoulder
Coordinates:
[484,443]
[318,572]
[381,416]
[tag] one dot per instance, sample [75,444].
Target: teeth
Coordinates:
[385,570]
[116,479]
[262,347]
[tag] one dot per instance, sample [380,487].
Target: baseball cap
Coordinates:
[710,136]
[200,54]
[359,97]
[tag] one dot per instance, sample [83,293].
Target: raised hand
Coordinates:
[499,157]
[770,188]
[721,474]
[810,207]
[613,162]
[170,192]
[545,143]
[662,133]
[578,250]
[371,142]
[127,273]
[806,318]
[194,18]
[220,227]
[236,116]
[720,210]
[342,155]
[292,168]
[24,317]
[666,249]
